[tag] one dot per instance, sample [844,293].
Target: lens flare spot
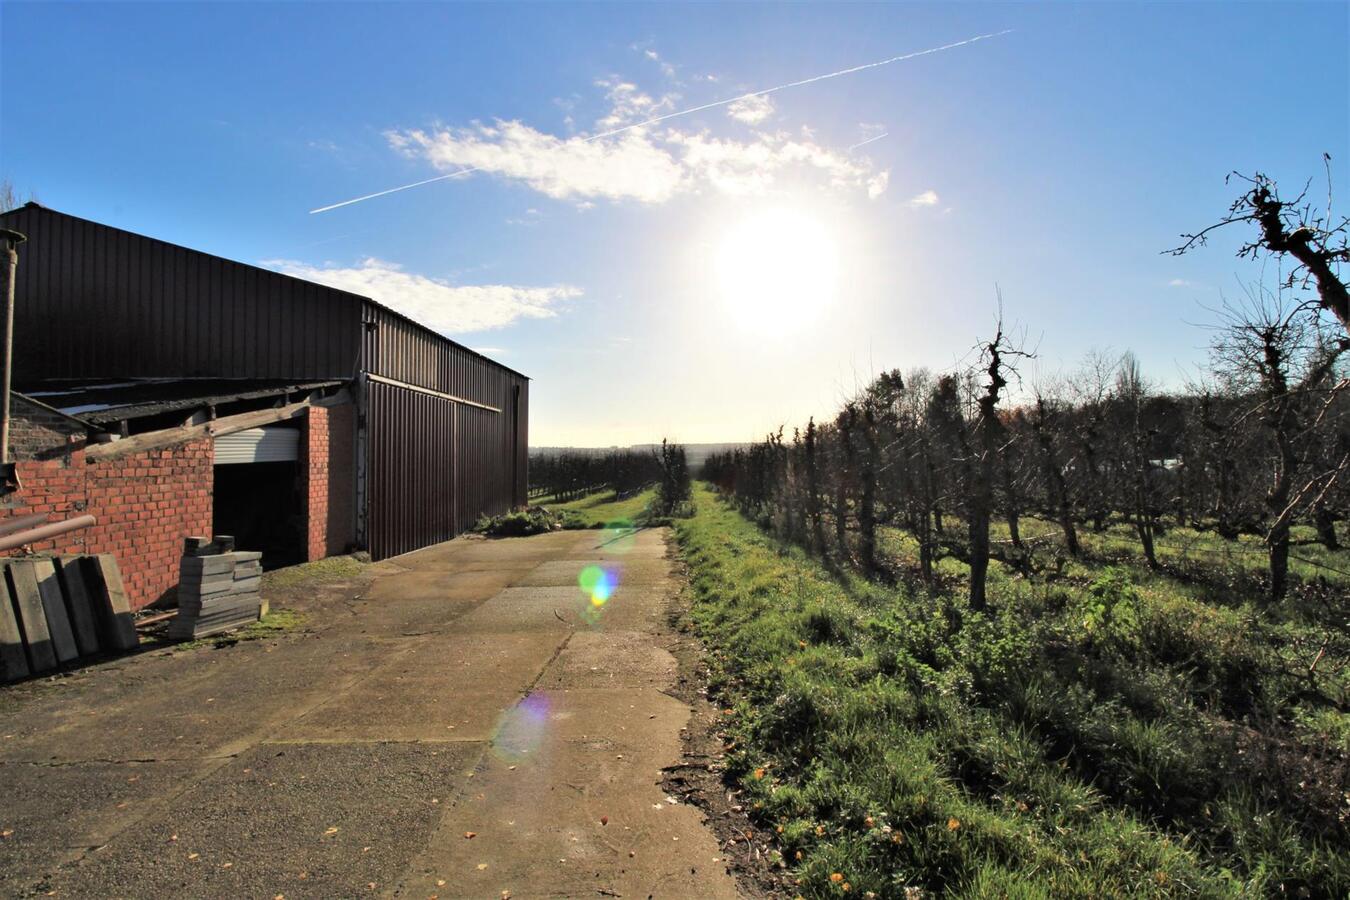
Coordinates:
[618,536]
[589,578]
[520,730]
[597,585]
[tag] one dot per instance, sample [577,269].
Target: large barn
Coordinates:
[170,393]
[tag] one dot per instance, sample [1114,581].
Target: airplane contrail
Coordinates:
[693,109]
[868,141]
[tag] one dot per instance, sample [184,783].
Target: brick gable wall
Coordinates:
[147,502]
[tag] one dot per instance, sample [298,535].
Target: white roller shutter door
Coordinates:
[272,444]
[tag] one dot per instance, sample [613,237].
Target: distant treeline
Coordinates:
[696,454]
[939,456]
[570,474]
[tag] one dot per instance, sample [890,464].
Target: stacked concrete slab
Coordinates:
[218,589]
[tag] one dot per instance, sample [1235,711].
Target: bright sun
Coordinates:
[777,270]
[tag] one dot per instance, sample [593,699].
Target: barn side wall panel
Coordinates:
[96,302]
[410,476]
[486,453]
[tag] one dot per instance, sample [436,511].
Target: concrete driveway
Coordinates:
[473,724]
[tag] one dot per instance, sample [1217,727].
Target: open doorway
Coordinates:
[258,496]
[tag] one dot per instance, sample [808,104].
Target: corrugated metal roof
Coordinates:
[173,269]
[114,401]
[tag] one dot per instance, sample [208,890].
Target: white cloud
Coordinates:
[637,165]
[627,167]
[666,68]
[488,351]
[647,163]
[927,198]
[876,185]
[629,104]
[740,168]
[751,110]
[447,308]
[1180,282]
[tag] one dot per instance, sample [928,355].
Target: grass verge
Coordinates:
[1079,740]
[605,509]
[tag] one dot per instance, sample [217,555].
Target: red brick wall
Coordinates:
[314,466]
[327,465]
[48,451]
[145,503]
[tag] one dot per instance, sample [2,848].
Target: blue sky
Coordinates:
[1056,162]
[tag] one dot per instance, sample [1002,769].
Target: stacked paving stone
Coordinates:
[218,588]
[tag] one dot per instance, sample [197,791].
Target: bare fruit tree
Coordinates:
[1296,228]
[1283,358]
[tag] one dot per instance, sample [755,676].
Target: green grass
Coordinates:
[332,568]
[1108,734]
[605,508]
[274,624]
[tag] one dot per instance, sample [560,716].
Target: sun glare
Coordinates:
[777,270]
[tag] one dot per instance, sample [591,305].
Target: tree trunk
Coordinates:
[1182,479]
[1144,525]
[1055,484]
[1279,415]
[867,508]
[1223,509]
[1010,505]
[924,531]
[1326,526]
[813,501]
[841,518]
[980,486]
[1279,562]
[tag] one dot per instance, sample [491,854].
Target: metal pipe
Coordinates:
[33,535]
[19,523]
[11,240]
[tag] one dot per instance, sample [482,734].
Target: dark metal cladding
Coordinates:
[487,453]
[431,453]
[447,444]
[398,348]
[97,302]
[410,470]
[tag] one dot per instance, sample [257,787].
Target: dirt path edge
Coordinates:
[697,778]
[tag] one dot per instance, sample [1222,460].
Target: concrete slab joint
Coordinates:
[471,725]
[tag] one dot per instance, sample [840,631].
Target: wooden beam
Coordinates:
[169,437]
